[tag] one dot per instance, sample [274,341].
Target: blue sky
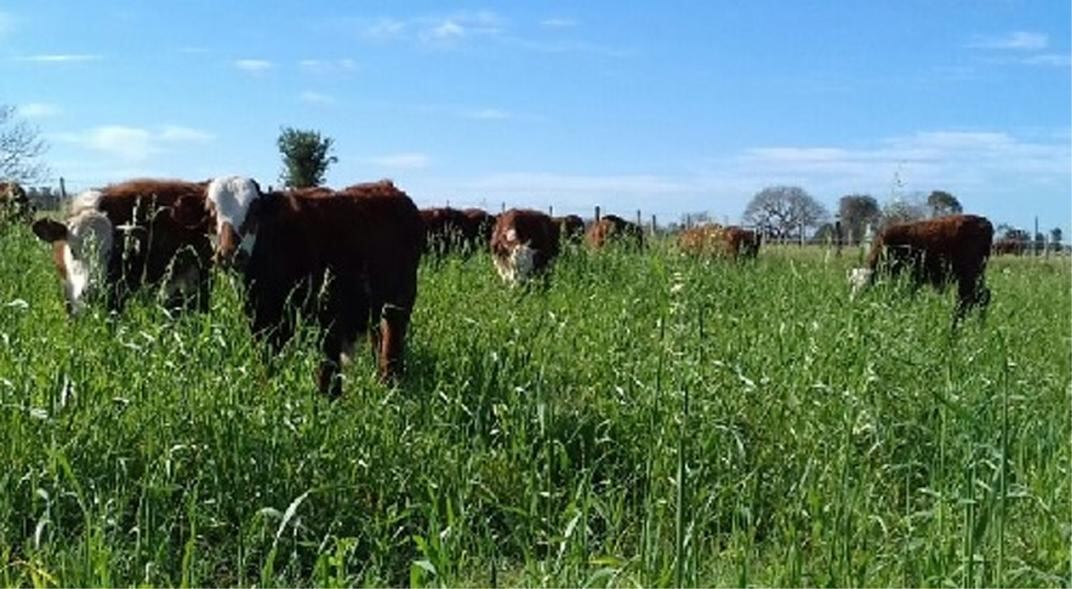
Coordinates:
[669,107]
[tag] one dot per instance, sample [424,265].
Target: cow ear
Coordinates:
[49,230]
[189,211]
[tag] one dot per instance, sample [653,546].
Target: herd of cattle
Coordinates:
[349,257]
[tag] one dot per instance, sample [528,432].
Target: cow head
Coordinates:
[232,201]
[81,249]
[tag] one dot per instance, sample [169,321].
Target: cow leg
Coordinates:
[329,379]
[393,328]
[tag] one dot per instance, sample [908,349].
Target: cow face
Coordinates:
[230,200]
[81,250]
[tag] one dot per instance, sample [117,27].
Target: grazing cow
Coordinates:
[936,251]
[612,228]
[523,243]
[1009,246]
[349,258]
[133,234]
[716,240]
[14,203]
[570,227]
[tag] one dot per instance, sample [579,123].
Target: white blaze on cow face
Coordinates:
[230,197]
[86,251]
[859,278]
[518,266]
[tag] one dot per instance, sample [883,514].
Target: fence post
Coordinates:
[837,236]
[688,221]
[597,213]
[654,227]
[802,235]
[550,210]
[63,189]
[1034,239]
[503,207]
[639,223]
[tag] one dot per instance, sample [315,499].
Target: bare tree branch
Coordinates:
[21,147]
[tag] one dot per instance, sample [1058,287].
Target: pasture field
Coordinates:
[645,420]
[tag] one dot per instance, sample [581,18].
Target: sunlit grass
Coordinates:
[540,437]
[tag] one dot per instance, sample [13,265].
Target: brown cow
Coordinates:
[570,227]
[133,234]
[612,228]
[482,223]
[716,240]
[14,203]
[937,251]
[351,258]
[523,243]
[1009,246]
[448,230]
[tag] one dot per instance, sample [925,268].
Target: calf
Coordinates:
[570,227]
[131,235]
[612,228]
[523,243]
[937,251]
[349,258]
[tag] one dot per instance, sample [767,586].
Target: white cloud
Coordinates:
[315,98]
[487,114]
[38,110]
[401,161]
[447,29]
[558,23]
[1050,59]
[176,133]
[384,29]
[133,144]
[253,66]
[1016,40]
[60,58]
[327,66]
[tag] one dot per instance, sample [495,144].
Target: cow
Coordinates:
[716,240]
[524,243]
[570,227]
[348,258]
[1009,246]
[936,251]
[612,228]
[481,223]
[127,236]
[448,230]
[14,203]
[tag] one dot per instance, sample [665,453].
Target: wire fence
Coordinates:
[53,198]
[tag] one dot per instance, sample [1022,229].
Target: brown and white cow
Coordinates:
[349,258]
[524,243]
[936,252]
[570,227]
[130,235]
[718,241]
[614,229]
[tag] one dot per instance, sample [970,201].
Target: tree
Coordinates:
[780,211]
[1055,238]
[20,148]
[942,203]
[857,211]
[306,157]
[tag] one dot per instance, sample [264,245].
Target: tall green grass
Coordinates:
[645,419]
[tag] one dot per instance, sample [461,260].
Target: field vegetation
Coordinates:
[643,419]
